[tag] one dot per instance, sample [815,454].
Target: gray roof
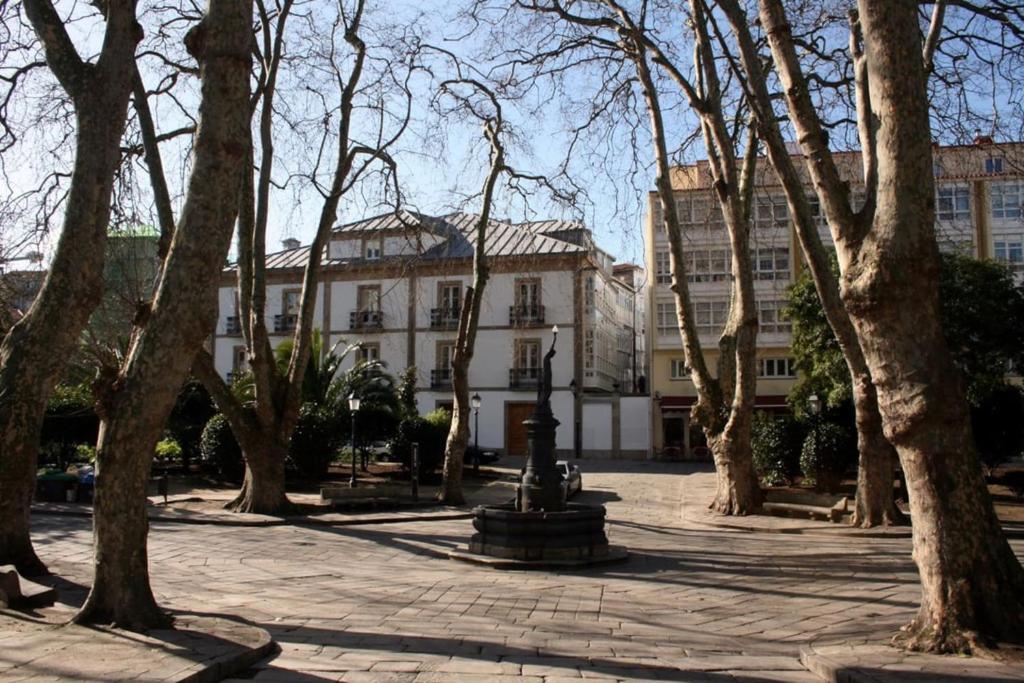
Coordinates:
[504,239]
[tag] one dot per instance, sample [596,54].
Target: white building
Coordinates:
[395,283]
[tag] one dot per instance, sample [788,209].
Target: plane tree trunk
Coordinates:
[134,407]
[972,585]
[874,504]
[35,351]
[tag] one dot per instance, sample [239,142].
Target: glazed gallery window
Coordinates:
[770,316]
[711,315]
[1006,199]
[772,213]
[662,267]
[770,263]
[1009,249]
[666,318]
[953,203]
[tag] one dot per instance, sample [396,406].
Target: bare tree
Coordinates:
[35,351]
[135,403]
[725,402]
[264,429]
[972,584]
[874,504]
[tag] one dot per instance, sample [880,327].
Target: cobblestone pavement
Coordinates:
[381,603]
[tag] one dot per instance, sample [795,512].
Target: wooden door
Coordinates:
[515,430]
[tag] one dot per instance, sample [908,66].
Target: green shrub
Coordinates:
[776,443]
[191,411]
[167,451]
[315,441]
[69,420]
[85,452]
[827,452]
[219,450]
[430,432]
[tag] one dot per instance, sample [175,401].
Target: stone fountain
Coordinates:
[540,529]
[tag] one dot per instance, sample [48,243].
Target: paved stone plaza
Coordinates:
[380,602]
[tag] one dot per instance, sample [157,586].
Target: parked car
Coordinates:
[572,477]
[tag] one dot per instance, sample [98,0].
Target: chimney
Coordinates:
[290,243]
[981,140]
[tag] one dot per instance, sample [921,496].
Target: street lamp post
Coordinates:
[814,403]
[353,408]
[475,401]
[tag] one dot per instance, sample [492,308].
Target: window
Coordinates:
[239,360]
[588,349]
[368,353]
[711,315]
[770,263]
[662,267]
[445,355]
[1009,249]
[699,214]
[372,249]
[953,203]
[449,298]
[368,298]
[666,317]
[994,165]
[678,369]
[1006,199]
[776,367]
[770,316]
[291,301]
[771,213]
[527,354]
[528,294]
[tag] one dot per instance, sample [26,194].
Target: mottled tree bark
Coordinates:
[874,504]
[35,351]
[469,319]
[135,406]
[972,585]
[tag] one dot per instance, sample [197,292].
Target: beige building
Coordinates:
[979,196]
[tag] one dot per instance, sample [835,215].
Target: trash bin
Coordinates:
[56,487]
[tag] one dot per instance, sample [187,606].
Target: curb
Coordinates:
[835,530]
[228,665]
[847,663]
[288,521]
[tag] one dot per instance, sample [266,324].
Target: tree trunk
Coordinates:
[736,491]
[35,351]
[458,437]
[136,405]
[972,585]
[875,504]
[263,490]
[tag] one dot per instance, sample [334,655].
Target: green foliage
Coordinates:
[982,313]
[828,451]
[996,421]
[407,392]
[430,432]
[776,441]
[220,451]
[315,441]
[983,319]
[168,450]
[85,452]
[192,409]
[70,420]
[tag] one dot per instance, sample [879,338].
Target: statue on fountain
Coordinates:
[541,485]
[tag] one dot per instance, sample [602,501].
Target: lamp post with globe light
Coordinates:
[353,408]
[475,401]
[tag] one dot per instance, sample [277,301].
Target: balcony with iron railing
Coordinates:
[444,318]
[523,378]
[233,325]
[286,322]
[525,315]
[441,378]
[365,320]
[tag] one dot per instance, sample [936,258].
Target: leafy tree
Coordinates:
[982,314]
[407,392]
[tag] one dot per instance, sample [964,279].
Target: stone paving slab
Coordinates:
[849,663]
[197,650]
[381,602]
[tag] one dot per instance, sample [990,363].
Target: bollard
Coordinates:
[161,487]
[415,471]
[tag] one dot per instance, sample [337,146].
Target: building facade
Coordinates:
[395,284]
[979,193]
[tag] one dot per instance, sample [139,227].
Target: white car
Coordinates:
[571,476]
